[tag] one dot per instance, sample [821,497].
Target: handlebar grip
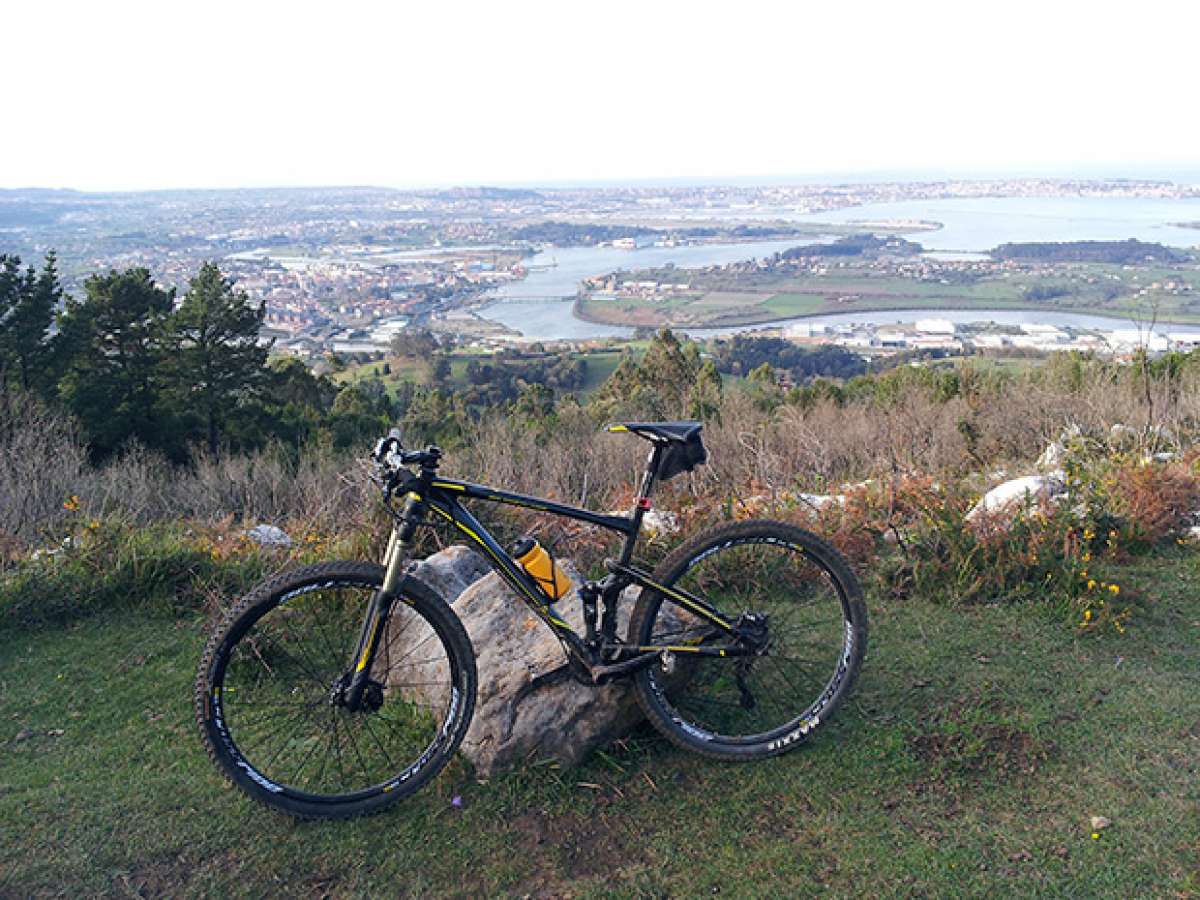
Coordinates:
[387,445]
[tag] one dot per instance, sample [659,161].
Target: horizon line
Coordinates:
[1152,172]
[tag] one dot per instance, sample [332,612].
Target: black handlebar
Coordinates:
[390,454]
[428,457]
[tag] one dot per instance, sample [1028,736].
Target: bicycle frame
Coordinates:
[430,493]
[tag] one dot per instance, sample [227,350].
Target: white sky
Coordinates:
[128,95]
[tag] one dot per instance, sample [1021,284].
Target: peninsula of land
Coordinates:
[1121,279]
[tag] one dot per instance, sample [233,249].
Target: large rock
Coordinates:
[269,536]
[452,571]
[1019,493]
[527,705]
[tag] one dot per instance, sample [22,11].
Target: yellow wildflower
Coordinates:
[1091,585]
[1087,615]
[1114,589]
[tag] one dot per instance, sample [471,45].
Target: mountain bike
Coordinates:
[337,689]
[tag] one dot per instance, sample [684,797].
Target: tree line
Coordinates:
[126,359]
[741,354]
[133,362]
[1115,252]
[856,245]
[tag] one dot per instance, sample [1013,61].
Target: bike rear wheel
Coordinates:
[269,693]
[753,706]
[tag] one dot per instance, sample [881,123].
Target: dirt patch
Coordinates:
[999,749]
[583,846]
[979,735]
[158,878]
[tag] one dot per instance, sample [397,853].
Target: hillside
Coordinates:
[980,742]
[1027,670]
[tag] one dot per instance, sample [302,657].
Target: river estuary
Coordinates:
[540,307]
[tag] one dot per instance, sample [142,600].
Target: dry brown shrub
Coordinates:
[42,462]
[1157,500]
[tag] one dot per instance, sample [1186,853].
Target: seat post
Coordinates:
[643,500]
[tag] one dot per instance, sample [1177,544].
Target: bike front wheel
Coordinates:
[270,693]
[808,610]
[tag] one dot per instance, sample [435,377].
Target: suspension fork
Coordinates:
[377,615]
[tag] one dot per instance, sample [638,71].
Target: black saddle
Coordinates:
[684,449]
[660,431]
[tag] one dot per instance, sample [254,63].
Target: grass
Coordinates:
[976,748]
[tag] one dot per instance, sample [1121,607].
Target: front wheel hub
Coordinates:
[369,700]
[372,697]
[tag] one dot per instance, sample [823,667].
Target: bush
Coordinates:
[110,565]
[165,567]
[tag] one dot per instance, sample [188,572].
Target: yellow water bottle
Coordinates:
[534,559]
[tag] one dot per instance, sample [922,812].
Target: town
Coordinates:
[345,269]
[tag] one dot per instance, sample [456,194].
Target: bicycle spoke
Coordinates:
[801,621]
[375,738]
[283,709]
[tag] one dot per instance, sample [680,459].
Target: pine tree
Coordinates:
[661,385]
[707,393]
[219,361]
[113,344]
[28,301]
[439,370]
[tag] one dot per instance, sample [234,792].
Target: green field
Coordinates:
[979,743]
[723,299]
[600,364]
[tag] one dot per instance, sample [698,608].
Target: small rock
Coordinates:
[1019,492]
[659,521]
[820,501]
[1162,433]
[268,536]
[1122,436]
[656,521]
[1099,823]
[1052,457]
